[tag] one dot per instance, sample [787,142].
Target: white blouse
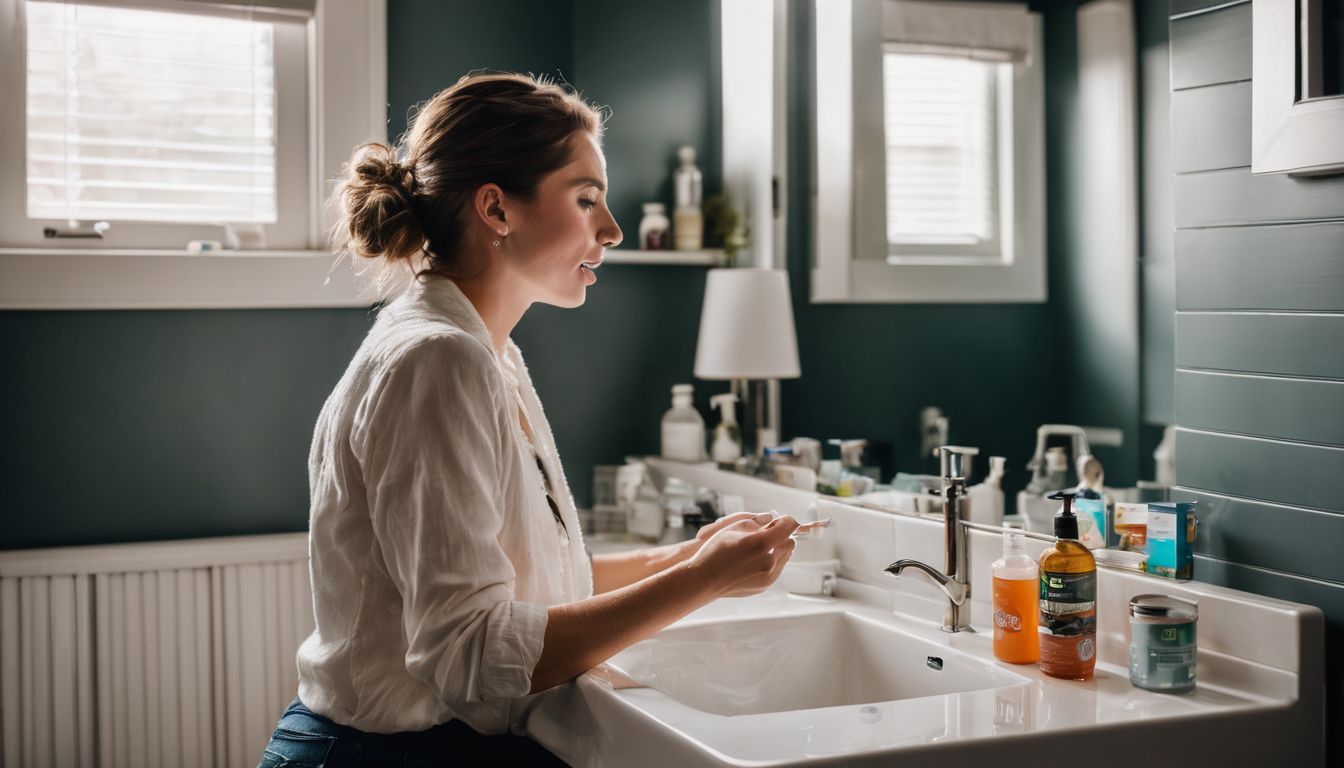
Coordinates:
[433,551]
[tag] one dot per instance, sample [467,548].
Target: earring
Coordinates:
[496,243]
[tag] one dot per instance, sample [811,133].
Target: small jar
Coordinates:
[653,235]
[1162,643]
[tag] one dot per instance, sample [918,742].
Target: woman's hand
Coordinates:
[708,531]
[745,555]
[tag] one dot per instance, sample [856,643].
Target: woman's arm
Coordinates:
[613,571]
[742,559]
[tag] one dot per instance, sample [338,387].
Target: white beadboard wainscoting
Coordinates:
[177,653]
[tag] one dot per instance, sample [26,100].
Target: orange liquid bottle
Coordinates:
[1016,605]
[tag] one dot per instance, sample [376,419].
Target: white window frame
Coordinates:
[1292,135]
[850,249]
[347,105]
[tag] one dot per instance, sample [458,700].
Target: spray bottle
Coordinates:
[727,446]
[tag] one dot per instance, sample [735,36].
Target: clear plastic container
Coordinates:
[683,429]
[1016,586]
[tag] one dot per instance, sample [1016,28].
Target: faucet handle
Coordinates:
[955,461]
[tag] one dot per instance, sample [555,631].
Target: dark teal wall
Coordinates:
[605,371]
[432,44]
[144,425]
[1259,342]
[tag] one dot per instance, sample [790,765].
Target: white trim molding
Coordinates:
[850,246]
[1299,136]
[125,279]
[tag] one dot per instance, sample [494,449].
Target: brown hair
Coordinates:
[502,128]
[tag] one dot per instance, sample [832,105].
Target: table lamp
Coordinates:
[747,336]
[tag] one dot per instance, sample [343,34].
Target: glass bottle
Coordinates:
[688,228]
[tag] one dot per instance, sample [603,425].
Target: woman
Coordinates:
[450,583]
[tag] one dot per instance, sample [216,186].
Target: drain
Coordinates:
[935,663]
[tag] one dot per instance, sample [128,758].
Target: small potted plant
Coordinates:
[724,227]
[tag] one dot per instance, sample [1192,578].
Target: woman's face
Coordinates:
[555,238]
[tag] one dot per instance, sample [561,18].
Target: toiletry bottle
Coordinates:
[727,445]
[678,501]
[1057,469]
[1068,600]
[647,520]
[995,481]
[653,228]
[688,221]
[683,428]
[1016,586]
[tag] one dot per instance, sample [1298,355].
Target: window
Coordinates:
[136,115]
[144,125]
[929,151]
[942,180]
[155,127]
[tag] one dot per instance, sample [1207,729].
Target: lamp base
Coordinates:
[757,412]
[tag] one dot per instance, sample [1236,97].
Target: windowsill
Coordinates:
[88,278]
[876,282]
[701,258]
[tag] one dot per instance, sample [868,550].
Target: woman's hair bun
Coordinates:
[377,212]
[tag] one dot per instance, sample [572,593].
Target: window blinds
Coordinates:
[149,115]
[940,127]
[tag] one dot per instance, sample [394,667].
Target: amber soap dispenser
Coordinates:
[1068,600]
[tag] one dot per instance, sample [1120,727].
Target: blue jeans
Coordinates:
[304,739]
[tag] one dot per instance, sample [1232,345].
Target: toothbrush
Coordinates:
[810,530]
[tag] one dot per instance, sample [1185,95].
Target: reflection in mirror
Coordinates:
[1320,45]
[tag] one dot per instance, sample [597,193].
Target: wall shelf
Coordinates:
[702,258]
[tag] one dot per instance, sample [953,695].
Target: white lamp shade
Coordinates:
[746,326]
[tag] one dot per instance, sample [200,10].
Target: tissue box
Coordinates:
[1171,532]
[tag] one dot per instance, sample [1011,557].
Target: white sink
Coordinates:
[782,680]
[786,663]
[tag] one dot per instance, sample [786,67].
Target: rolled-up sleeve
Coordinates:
[429,438]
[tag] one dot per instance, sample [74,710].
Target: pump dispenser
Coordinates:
[1068,600]
[726,448]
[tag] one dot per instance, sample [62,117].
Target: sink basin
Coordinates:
[787,663]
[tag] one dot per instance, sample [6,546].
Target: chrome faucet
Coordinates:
[955,577]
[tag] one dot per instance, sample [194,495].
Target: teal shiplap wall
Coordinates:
[1259,398]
